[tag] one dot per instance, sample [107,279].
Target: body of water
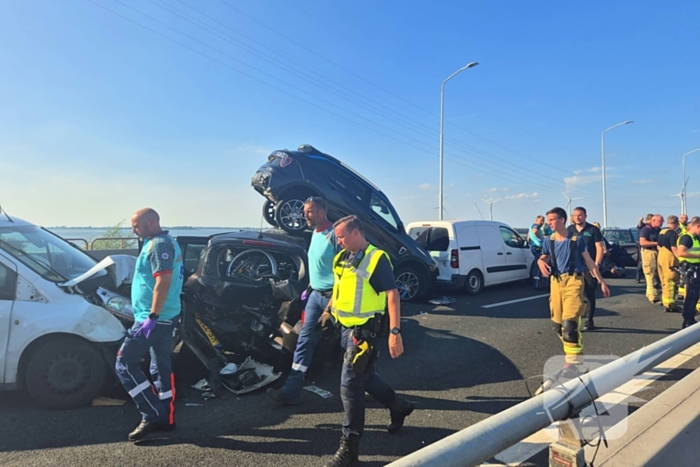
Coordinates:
[89,234]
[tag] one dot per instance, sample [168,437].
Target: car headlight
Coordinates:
[120,305]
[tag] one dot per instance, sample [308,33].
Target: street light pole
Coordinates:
[602,148]
[683,198]
[442,111]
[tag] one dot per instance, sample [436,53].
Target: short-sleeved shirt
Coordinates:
[562,253]
[668,239]
[650,233]
[160,255]
[534,239]
[382,278]
[591,234]
[686,240]
[323,248]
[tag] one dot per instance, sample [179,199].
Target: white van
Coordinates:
[474,254]
[58,340]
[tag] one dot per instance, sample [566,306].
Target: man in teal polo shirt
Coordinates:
[155,298]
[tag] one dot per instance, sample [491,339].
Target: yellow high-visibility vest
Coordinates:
[694,249]
[354,299]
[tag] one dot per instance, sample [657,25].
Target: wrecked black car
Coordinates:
[242,305]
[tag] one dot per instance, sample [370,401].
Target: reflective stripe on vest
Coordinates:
[694,249]
[354,299]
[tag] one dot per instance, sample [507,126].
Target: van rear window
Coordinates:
[432,238]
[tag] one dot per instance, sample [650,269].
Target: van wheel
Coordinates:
[411,282]
[269,213]
[289,212]
[475,282]
[65,373]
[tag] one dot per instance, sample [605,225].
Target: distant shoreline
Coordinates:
[178,227]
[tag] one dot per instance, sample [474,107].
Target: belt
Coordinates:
[649,248]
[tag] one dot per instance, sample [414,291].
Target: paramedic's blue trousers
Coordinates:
[154,401]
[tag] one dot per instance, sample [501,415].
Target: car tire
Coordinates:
[289,213]
[411,282]
[474,283]
[269,213]
[65,373]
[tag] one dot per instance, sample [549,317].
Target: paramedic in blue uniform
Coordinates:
[155,297]
[323,248]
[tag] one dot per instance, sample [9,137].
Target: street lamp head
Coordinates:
[628,121]
[472,64]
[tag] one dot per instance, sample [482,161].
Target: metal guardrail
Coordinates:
[484,440]
[121,241]
[73,240]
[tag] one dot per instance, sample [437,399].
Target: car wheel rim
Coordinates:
[407,283]
[474,282]
[67,374]
[292,214]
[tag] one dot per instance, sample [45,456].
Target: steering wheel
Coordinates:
[252,264]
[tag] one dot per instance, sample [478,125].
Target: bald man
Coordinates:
[155,297]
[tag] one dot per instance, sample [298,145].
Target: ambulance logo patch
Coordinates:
[165,256]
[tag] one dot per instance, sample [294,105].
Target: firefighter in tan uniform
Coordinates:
[648,238]
[667,262]
[565,259]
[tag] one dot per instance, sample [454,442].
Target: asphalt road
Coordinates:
[462,364]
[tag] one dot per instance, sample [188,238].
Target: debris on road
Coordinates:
[444,300]
[321,392]
[208,395]
[202,385]
[107,402]
[229,369]
[191,404]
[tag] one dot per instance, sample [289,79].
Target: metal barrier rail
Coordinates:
[484,440]
[73,240]
[121,241]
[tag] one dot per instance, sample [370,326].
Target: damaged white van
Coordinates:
[58,341]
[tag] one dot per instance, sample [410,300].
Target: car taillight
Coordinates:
[285,161]
[454,259]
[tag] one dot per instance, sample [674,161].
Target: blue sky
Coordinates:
[100,116]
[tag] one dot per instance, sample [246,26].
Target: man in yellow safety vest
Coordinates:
[363,290]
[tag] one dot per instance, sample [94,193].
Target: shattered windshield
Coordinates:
[48,255]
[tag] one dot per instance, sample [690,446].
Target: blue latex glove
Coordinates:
[146,328]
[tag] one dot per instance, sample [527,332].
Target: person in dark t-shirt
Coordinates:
[648,238]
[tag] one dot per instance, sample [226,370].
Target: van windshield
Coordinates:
[48,255]
[431,238]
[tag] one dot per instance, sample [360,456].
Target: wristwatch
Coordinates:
[395,331]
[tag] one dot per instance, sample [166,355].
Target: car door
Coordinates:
[493,254]
[8,289]
[192,249]
[517,254]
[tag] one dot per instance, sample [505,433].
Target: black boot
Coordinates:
[347,453]
[688,322]
[145,428]
[399,409]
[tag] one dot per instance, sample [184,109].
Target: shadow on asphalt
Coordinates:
[435,361]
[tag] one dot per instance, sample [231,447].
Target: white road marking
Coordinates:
[493,305]
[525,449]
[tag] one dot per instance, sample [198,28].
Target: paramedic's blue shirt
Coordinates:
[160,255]
[322,250]
[562,251]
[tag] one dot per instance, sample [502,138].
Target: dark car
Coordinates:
[627,247]
[290,177]
[241,303]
